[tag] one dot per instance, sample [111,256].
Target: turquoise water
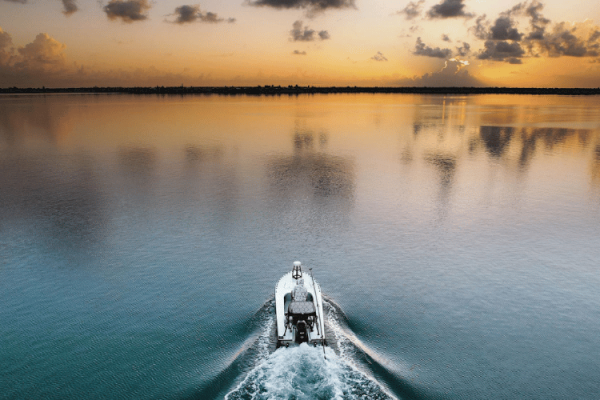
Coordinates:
[456,240]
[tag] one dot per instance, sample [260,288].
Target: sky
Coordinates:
[82,43]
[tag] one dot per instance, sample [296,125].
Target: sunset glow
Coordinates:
[75,43]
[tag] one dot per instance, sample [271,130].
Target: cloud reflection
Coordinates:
[496,139]
[323,175]
[24,118]
[198,154]
[138,165]
[63,198]
[444,137]
[138,160]
[308,172]
[210,181]
[447,112]
[445,164]
[595,166]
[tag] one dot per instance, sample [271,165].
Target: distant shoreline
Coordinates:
[296,90]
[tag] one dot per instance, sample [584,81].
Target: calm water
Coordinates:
[457,241]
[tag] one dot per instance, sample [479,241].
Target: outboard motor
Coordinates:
[301,335]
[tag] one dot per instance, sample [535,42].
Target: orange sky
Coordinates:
[58,43]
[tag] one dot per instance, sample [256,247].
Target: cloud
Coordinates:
[5,39]
[70,6]
[594,36]
[421,49]
[504,26]
[324,35]
[412,10]
[503,29]
[43,51]
[480,29]
[502,51]
[41,58]
[538,22]
[5,46]
[300,34]
[452,75]
[563,39]
[43,63]
[464,50]
[187,14]
[312,7]
[446,38]
[209,17]
[448,9]
[379,57]
[127,10]
[502,38]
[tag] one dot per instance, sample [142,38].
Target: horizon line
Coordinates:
[297,89]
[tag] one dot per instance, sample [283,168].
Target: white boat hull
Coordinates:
[290,328]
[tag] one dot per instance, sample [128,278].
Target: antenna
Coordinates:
[322,327]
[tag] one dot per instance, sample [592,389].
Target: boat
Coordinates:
[299,309]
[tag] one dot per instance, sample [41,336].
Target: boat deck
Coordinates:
[284,287]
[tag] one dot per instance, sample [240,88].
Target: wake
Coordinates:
[303,373]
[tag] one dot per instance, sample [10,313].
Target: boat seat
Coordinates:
[301,307]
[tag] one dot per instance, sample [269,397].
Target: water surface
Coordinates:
[455,237]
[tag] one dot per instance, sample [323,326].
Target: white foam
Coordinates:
[347,345]
[303,372]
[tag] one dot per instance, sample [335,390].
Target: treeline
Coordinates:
[295,90]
